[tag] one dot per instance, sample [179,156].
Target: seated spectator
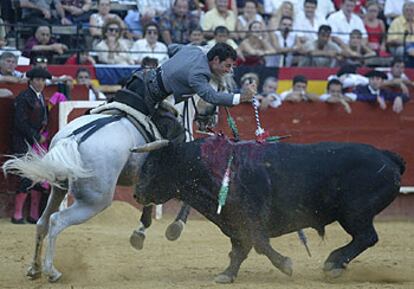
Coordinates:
[249,16]
[3,42]
[2,34]
[393,8]
[357,52]
[401,31]
[97,20]
[8,72]
[222,35]
[113,49]
[397,80]
[256,45]
[77,10]
[84,58]
[133,22]
[375,94]
[321,52]
[286,9]
[307,23]
[42,44]
[323,8]
[151,10]
[268,96]
[197,37]
[176,24]
[349,78]
[231,5]
[285,42]
[299,91]
[149,46]
[219,16]
[375,28]
[83,76]
[39,12]
[334,94]
[344,21]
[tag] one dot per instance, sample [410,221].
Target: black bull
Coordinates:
[275,189]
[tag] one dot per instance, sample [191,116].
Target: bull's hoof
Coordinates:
[34,272]
[137,239]
[287,266]
[224,279]
[332,271]
[174,230]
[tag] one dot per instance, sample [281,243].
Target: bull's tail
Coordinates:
[62,162]
[397,159]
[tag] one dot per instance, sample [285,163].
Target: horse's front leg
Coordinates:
[138,235]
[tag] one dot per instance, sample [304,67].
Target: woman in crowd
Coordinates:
[375,28]
[286,9]
[97,20]
[113,49]
[249,15]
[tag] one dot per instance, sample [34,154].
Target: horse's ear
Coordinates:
[152,146]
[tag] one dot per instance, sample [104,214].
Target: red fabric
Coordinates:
[72,60]
[375,35]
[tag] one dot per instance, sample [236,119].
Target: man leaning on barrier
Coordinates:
[186,73]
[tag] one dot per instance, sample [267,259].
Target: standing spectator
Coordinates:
[83,76]
[30,121]
[397,80]
[334,94]
[8,72]
[42,44]
[97,20]
[39,12]
[344,21]
[307,23]
[375,28]
[176,24]
[113,49]
[249,15]
[218,16]
[321,52]
[402,30]
[299,91]
[256,45]
[285,42]
[149,46]
[286,9]
[357,52]
[77,10]
[374,93]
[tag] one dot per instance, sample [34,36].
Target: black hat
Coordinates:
[38,72]
[376,73]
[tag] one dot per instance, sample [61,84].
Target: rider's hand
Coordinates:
[249,92]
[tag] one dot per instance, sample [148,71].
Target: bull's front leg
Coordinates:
[137,237]
[239,252]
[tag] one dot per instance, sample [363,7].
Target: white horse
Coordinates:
[89,170]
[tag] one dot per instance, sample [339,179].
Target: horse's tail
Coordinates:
[62,162]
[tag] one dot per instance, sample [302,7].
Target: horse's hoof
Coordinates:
[287,266]
[174,230]
[54,276]
[137,240]
[224,279]
[33,272]
[331,271]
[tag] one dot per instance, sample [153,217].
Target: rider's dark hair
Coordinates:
[223,51]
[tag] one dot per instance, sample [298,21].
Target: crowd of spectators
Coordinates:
[272,33]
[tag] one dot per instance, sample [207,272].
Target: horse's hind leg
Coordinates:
[175,229]
[77,213]
[363,236]
[138,235]
[42,226]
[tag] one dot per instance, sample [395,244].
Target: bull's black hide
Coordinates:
[277,188]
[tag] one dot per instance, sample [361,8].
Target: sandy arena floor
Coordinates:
[98,255]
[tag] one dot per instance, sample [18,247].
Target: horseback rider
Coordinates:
[187,72]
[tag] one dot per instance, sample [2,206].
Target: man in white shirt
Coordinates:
[308,22]
[149,46]
[322,10]
[344,21]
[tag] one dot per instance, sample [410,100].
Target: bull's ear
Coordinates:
[152,146]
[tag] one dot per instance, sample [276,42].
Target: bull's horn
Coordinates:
[152,146]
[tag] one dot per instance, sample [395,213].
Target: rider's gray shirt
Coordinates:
[187,72]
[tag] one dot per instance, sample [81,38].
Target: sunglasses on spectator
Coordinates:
[113,29]
[152,31]
[41,60]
